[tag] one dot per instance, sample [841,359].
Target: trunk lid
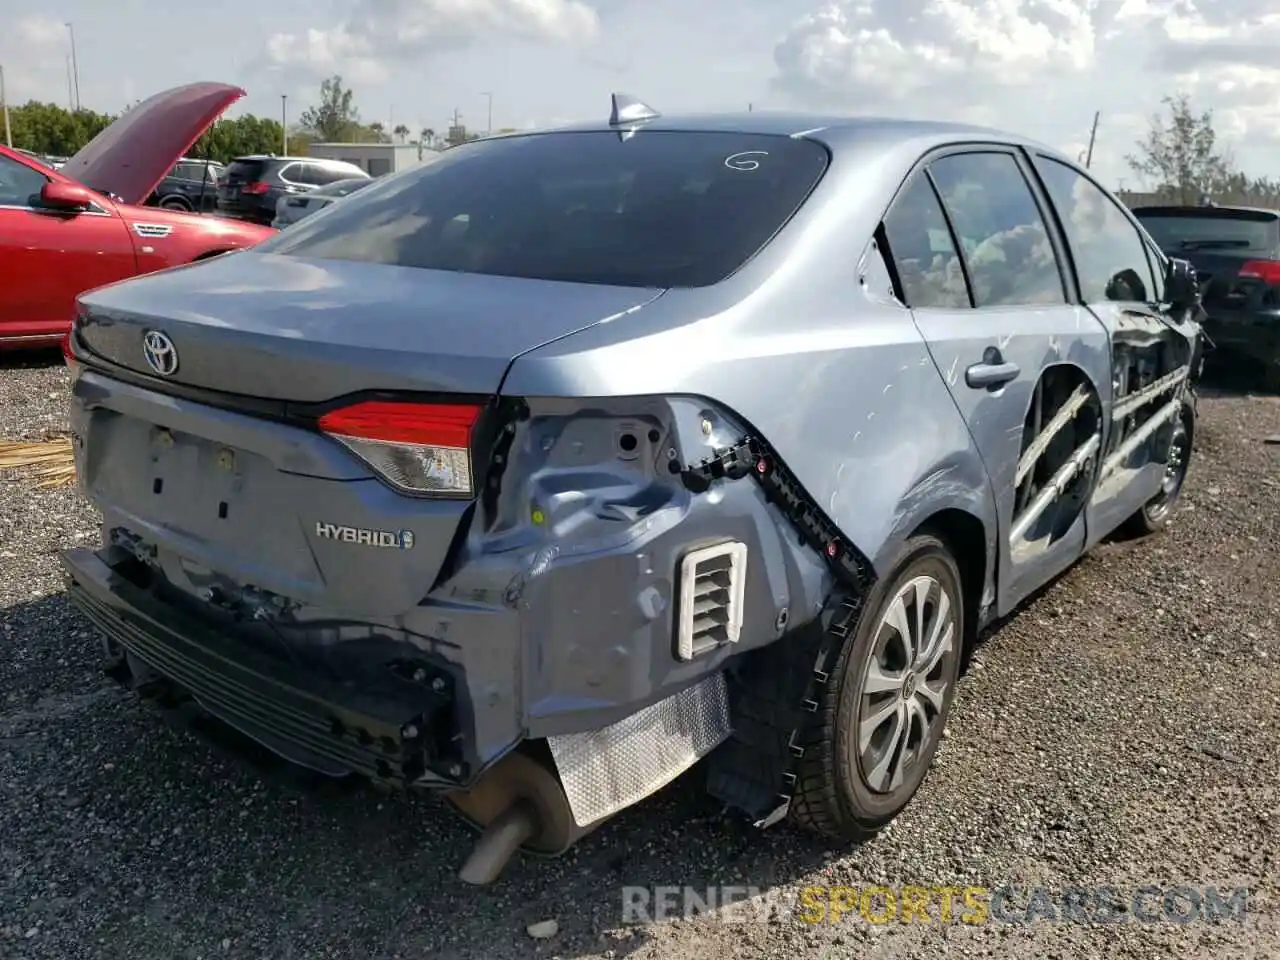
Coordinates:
[245,510]
[130,157]
[288,329]
[232,493]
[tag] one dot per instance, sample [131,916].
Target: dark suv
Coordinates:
[253,186]
[189,185]
[1236,255]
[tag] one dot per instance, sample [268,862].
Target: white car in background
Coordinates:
[291,209]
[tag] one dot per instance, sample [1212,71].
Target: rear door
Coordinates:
[983,273]
[47,257]
[1151,355]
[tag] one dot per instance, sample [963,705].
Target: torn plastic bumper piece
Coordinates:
[775,690]
[389,733]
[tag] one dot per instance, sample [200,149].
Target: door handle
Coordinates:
[989,374]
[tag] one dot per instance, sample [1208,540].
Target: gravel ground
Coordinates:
[1121,730]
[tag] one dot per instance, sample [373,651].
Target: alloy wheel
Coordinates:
[905,682]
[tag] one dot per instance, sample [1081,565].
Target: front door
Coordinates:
[1151,352]
[1027,369]
[49,257]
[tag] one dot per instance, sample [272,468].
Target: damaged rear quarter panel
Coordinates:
[585,542]
[808,351]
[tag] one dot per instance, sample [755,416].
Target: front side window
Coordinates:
[659,209]
[1006,246]
[20,185]
[1110,255]
[923,254]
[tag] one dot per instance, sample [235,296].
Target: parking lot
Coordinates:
[1123,729]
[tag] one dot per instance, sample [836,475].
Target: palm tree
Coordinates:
[428,136]
[376,129]
[401,132]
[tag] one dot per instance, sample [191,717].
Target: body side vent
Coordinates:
[712,591]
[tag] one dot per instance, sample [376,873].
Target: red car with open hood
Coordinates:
[63,232]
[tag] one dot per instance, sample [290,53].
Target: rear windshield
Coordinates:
[1226,231]
[245,169]
[658,209]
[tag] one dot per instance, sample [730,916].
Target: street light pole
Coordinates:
[489,128]
[284,124]
[8,134]
[75,64]
[71,100]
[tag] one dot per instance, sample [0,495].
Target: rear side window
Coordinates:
[659,209]
[1002,235]
[241,170]
[1226,231]
[1110,254]
[923,254]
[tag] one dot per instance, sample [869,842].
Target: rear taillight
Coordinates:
[416,447]
[1268,271]
[255,189]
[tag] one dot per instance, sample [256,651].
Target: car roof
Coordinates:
[276,159]
[834,130]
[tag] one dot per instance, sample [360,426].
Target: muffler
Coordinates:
[519,804]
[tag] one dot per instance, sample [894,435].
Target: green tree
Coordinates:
[242,136]
[53,130]
[335,118]
[401,132]
[1181,156]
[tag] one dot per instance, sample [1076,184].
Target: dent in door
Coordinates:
[1062,439]
[1150,369]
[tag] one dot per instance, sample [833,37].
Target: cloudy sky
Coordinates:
[1037,66]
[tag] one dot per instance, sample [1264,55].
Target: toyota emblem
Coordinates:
[161,354]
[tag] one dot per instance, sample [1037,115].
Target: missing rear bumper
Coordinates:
[392,733]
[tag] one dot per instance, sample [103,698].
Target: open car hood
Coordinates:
[130,157]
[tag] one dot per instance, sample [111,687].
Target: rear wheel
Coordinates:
[882,716]
[175,203]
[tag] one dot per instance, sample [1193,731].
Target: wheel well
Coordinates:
[207,254]
[966,538]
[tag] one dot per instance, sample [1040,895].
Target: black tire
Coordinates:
[175,203]
[1155,513]
[834,795]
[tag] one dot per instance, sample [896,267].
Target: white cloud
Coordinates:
[33,53]
[1044,66]
[379,34]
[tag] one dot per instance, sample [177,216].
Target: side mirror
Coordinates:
[1181,286]
[66,197]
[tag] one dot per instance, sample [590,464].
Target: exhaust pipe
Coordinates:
[519,804]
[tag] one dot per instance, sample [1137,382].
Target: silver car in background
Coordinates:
[537,474]
[291,209]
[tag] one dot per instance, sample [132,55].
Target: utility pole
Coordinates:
[8,134]
[1093,135]
[284,124]
[75,64]
[489,128]
[71,101]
